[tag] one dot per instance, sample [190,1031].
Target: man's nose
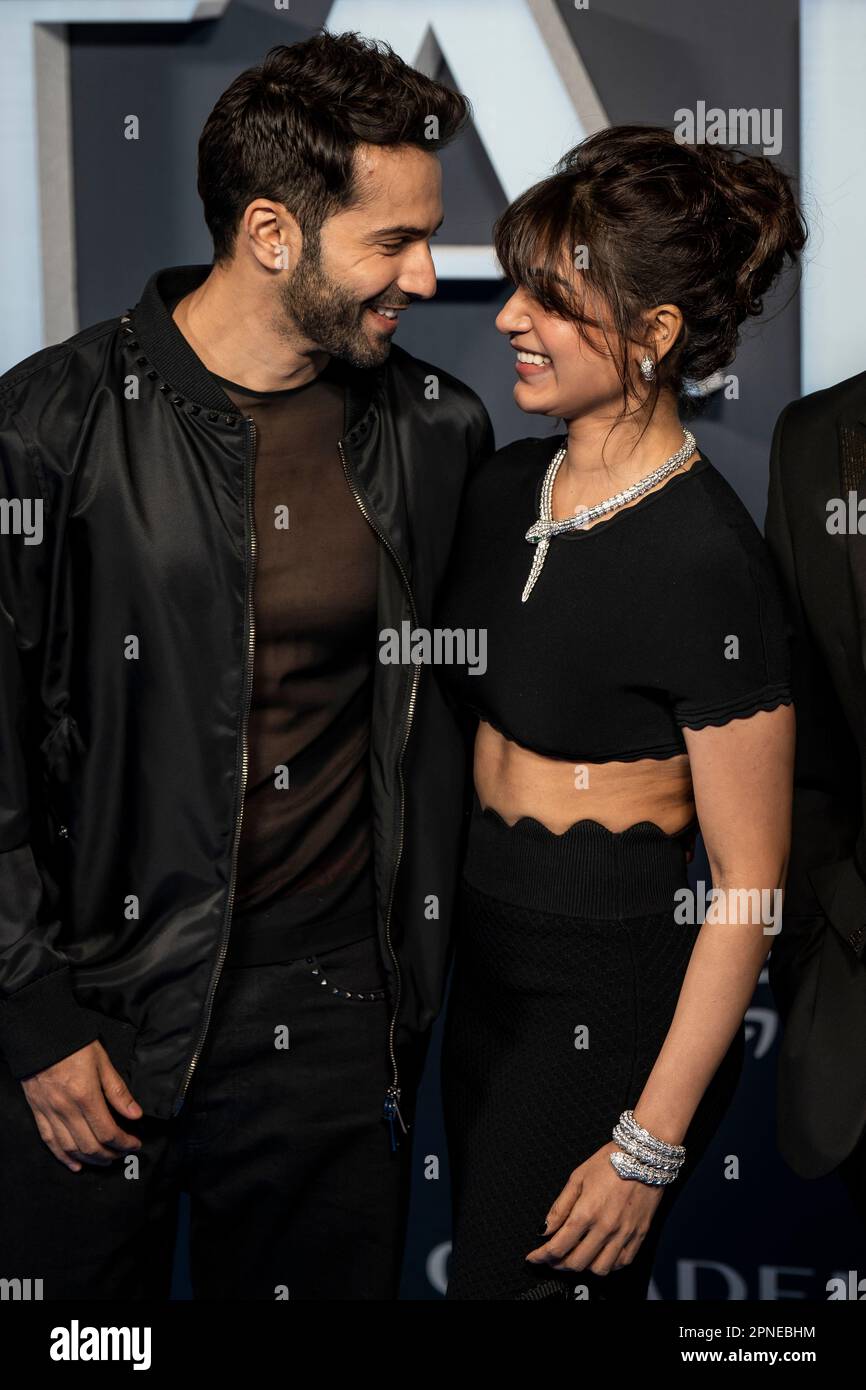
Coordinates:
[418,273]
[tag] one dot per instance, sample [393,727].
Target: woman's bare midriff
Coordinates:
[517,782]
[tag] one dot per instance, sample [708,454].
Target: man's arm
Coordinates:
[485,442]
[482,444]
[49,1042]
[40,1020]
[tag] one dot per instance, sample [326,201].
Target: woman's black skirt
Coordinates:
[568,966]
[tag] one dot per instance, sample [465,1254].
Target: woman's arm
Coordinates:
[742,774]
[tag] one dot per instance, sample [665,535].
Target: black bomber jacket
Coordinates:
[127,563]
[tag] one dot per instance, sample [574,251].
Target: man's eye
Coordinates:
[392,247]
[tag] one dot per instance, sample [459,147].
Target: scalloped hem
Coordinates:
[658,753]
[719,715]
[715,715]
[640,825]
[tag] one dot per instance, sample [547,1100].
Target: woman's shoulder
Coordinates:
[721,514]
[722,539]
[520,457]
[510,474]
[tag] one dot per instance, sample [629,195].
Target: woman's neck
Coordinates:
[600,456]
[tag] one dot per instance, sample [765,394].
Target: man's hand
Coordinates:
[599,1219]
[68,1101]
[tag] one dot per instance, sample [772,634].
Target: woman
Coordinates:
[636,687]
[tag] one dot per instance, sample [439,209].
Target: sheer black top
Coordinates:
[305,856]
[663,616]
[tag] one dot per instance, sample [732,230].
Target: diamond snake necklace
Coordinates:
[542,530]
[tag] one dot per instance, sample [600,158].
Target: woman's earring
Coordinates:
[647,367]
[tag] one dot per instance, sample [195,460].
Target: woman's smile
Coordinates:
[530,364]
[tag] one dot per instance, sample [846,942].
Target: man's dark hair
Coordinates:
[287,130]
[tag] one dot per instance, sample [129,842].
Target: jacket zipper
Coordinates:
[249,488]
[391,1107]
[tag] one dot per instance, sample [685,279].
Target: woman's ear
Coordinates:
[664,325]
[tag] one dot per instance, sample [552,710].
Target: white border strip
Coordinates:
[833,163]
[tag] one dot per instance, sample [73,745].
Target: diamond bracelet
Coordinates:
[643,1155]
[644,1152]
[629,1167]
[630,1124]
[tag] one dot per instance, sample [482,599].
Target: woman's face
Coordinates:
[576,377]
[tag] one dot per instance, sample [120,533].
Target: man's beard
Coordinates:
[326,314]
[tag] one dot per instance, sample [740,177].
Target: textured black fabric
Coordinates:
[523,1105]
[665,615]
[589,871]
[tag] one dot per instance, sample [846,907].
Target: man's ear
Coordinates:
[272,234]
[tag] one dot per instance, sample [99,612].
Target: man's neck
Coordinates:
[228,325]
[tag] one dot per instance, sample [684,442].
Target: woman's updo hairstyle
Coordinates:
[701,226]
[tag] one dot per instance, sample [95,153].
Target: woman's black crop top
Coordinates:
[665,615]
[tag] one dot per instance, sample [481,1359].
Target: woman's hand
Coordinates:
[599,1219]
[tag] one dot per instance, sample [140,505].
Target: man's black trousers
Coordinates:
[295,1190]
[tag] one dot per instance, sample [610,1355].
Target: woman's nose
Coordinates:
[513,317]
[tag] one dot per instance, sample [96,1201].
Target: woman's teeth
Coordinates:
[536,359]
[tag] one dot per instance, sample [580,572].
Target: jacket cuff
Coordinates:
[42,1023]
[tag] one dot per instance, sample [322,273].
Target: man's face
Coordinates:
[375,253]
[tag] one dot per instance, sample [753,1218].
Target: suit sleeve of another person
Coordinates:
[827,808]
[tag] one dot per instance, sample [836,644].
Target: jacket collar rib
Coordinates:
[173,359]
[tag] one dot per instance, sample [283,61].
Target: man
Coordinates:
[229,832]
[817,965]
